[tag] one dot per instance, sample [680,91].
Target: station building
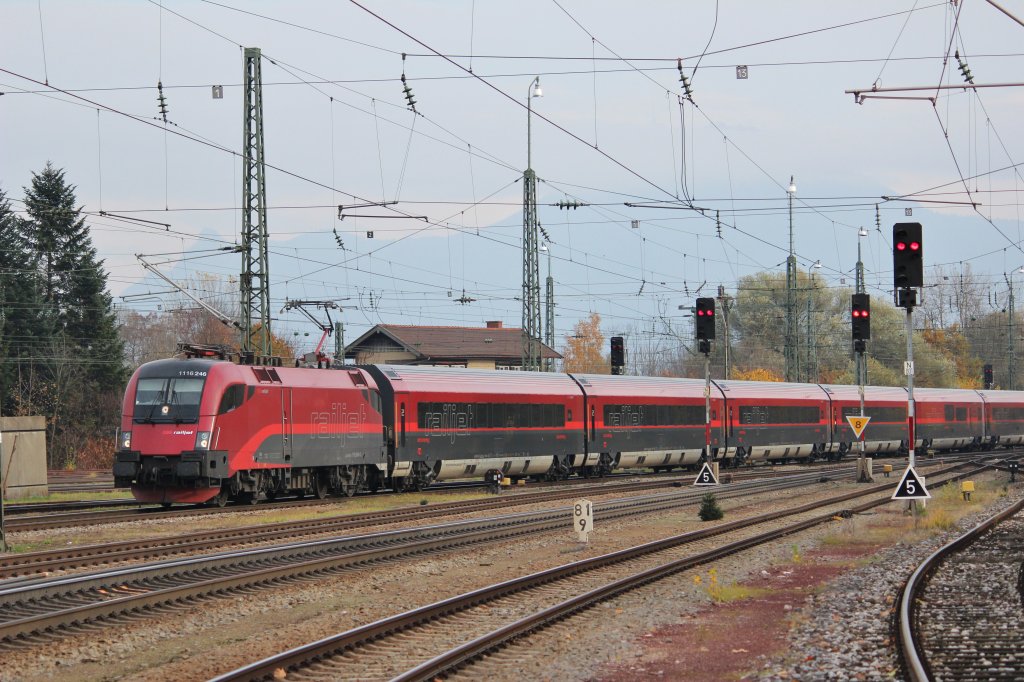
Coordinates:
[492,347]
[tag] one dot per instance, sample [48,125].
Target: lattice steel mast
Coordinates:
[531,268]
[792,362]
[255,279]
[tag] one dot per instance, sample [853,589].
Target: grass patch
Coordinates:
[73,496]
[723,594]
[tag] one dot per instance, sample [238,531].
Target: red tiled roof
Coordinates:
[452,342]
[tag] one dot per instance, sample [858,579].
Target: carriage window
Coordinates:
[489,415]
[961,414]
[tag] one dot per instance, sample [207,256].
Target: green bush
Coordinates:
[709,509]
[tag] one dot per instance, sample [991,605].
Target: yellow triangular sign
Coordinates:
[858,424]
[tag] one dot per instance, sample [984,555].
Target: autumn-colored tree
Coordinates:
[582,352]
[279,346]
[954,346]
[755,374]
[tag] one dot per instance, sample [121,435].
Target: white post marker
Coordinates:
[583,519]
[911,487]
[706,476]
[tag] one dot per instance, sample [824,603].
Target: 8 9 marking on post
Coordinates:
[583,519]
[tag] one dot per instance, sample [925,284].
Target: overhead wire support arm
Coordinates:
[226,319]
[1004,11]
[860,94]
[326,329]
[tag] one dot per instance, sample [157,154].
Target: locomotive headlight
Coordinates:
[126,440]
[203,440]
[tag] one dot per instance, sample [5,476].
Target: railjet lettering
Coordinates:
[627,416]
[450,421]
[339,422]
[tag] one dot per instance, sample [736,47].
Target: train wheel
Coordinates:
[165,505]
[319,486]
[221,500]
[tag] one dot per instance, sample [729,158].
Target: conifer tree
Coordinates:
[81,362]
[22,316]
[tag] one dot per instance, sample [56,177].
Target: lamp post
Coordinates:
[861,366]
[791,350]
[531,360]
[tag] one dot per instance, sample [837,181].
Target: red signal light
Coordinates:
[700,313]
[914,246]
[901,246]
[711,313]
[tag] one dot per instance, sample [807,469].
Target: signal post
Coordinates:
[705,333]
[908,277]
[860,318]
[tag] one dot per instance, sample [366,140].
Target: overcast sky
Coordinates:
[610,132]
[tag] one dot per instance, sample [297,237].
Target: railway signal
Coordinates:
[987,376]
[705,319]
[860,316]
[618,354]
[907,256]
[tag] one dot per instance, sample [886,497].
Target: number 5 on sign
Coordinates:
[583,519]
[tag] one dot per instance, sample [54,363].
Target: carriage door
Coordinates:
[287,406]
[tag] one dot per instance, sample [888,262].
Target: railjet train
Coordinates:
[200,430]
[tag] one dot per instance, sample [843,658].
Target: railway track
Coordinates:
[36,610]
[441,639]
[961,615]
[13,565]
[46,515]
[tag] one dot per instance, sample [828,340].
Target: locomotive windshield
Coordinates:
[168,399]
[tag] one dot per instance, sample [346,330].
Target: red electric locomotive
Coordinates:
[198,430]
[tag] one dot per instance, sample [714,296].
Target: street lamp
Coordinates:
[534,91]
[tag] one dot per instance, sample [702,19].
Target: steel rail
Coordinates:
[910,646]
[44,605]
[298,657]
[21,564]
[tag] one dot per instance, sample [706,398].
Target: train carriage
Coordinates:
[948,418]
[1004,417]
[775,421]
[655,422]
[457,423]
[886,433]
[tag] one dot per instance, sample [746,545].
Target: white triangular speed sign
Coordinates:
[706,476]
[857,423]
[911,487]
